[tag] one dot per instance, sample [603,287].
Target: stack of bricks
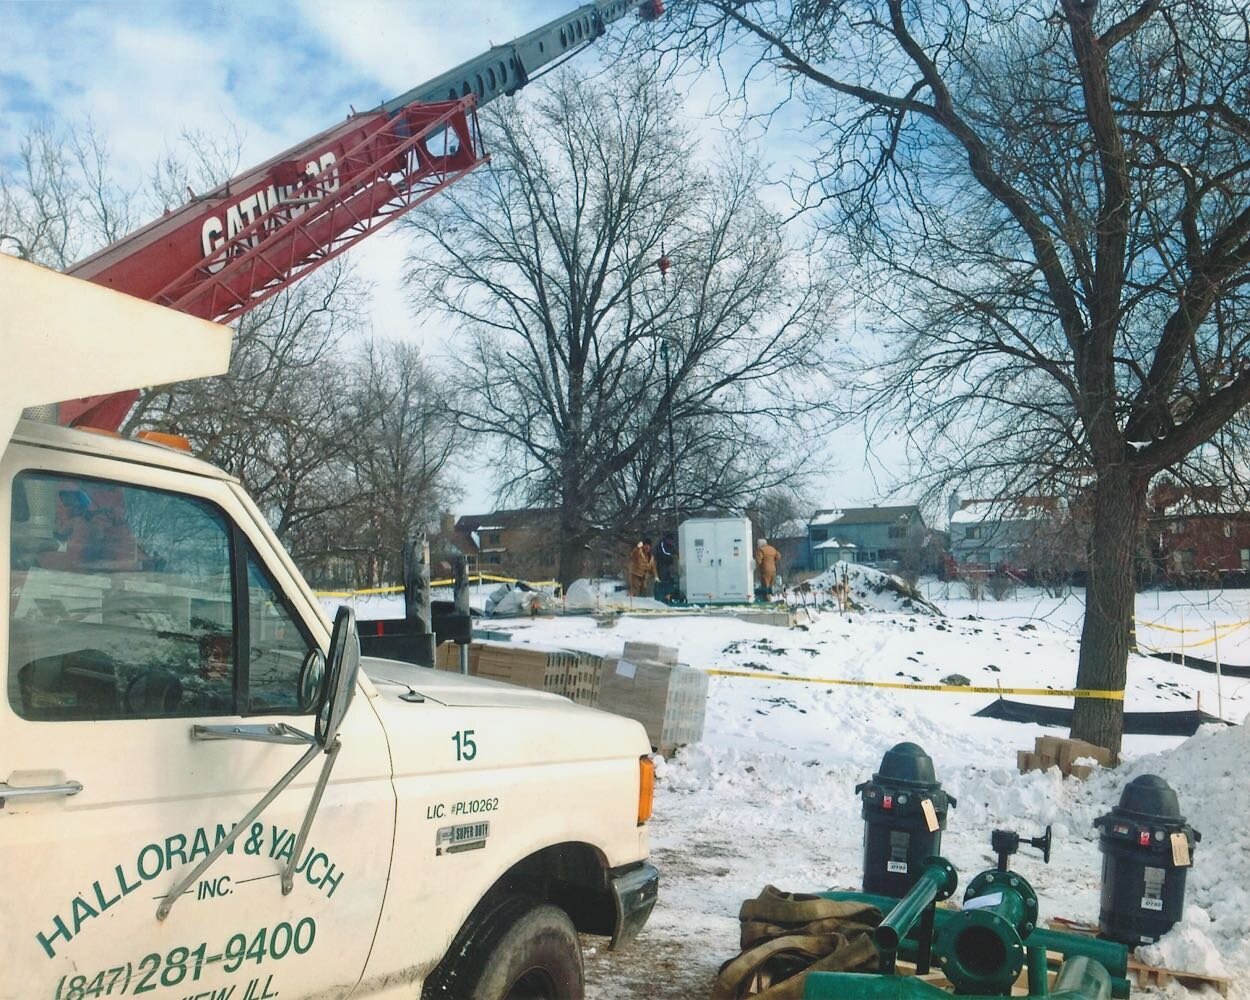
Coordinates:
[645,683]
[570,674]
[648,684]
[1053,751]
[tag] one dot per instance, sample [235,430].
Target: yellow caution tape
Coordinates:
[945,688]
[359,593]
[1224,628]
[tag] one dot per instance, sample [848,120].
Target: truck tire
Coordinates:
[519,949]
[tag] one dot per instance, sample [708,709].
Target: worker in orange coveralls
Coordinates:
[641,568]
[766,560]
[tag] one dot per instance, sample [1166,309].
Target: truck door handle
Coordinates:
[8,791]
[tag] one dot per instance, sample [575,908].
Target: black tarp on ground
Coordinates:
[1137,723]
[1206,666]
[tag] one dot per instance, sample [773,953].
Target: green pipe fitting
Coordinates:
[1039,971]
[981,948]
[937,881]
[1112,955]
[1080,978]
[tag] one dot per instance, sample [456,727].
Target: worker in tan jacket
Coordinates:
[766,560]
[641,568]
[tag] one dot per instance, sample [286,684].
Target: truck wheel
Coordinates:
[518,950]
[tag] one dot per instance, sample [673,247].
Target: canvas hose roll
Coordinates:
[786,936]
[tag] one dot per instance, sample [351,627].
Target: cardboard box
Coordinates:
[1048,746]
[1054,751]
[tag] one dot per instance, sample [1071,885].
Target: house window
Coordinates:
[494,559]
[972,531]
[492,538]
[820,535]
[1245,558]
[898,531]
[1228,530]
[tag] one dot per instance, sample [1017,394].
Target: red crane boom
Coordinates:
[226,252]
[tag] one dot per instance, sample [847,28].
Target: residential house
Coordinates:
[873,535]
[522,543]
[1195,535]
[993,535]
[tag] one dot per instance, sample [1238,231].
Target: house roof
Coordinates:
[502,520]
[866,515]
[835,543]
[1004,512]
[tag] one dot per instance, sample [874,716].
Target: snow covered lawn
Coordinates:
[767,796]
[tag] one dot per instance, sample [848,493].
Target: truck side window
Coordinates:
[278,645]
[120,602]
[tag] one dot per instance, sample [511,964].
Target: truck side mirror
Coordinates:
[342,669]
[310,685]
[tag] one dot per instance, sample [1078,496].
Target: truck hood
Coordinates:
[393,678]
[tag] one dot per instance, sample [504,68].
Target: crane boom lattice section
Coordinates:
[399,162]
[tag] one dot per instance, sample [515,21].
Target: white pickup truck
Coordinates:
[202,794]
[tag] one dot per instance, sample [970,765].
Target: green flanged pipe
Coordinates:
[1080,978]
[937,881]
[981,948]
[1112,955]
[1039,971]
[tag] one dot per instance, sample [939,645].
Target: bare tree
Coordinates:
[578,350]
[401,457]
[277,419]
[1049,207]
[59,201]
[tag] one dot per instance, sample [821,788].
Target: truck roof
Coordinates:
[107,445]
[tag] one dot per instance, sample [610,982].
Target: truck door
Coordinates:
[141,607]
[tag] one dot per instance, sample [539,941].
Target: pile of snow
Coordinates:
[1187,947]
[873,589]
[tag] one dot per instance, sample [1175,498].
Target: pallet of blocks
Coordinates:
[1053,751]
[569,674]
[647,683]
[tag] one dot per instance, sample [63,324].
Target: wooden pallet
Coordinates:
[1141,974]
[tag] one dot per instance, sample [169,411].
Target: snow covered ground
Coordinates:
[767,796]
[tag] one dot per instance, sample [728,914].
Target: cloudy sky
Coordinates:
[275,71]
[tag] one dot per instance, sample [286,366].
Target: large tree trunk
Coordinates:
[1119,502]
[573,532]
